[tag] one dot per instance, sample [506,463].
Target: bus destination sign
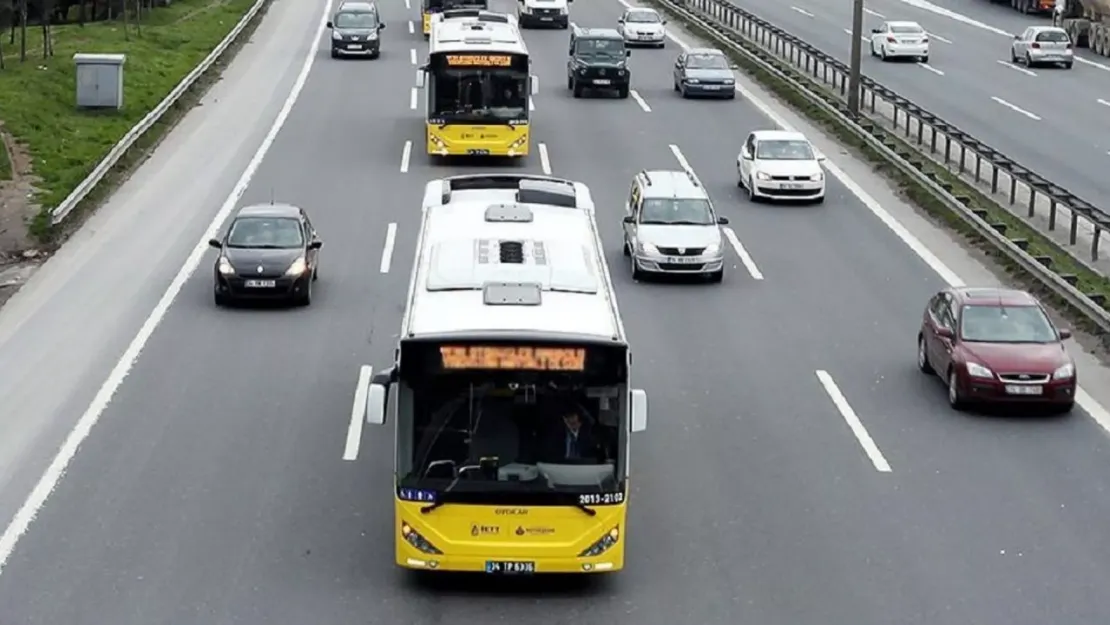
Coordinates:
[479,60]
[518,358]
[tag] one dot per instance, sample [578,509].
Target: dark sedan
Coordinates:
[704,72]
[270,252]
[994,345]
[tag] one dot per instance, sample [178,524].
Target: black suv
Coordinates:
[598,60]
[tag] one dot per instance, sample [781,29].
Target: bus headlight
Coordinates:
[603,544]
[519,142]
[414,538]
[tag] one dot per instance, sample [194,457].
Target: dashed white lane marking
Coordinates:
[358,412]
[387,249]
[802,11]
[545,160]
[639,100]
[930,68]
[1016,108]
[857,427]
[1017,68]
[406,153]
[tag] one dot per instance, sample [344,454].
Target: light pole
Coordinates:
[857,51]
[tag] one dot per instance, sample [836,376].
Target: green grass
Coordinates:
[5,165]
[1087,281]
[37,97]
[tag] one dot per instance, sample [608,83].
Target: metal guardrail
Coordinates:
[62,210]
[965,154]
[724,22]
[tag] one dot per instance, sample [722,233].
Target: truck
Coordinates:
[1087,22]
[1030,7]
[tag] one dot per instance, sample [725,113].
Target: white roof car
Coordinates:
[1043,45]
[782,165]
[900,39]
[642,26]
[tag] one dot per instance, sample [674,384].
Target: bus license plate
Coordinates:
[261,284]
[499,567]
[1024,389]
[601,81]
[478,152]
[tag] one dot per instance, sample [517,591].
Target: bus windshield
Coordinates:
[435,6]
[478,88]
[530,421]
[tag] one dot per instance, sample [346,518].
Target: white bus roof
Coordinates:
[474,15]
[475,35]
[510,255]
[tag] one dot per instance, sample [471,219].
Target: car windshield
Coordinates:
[784,150]
[1053,36]
[266,233]
[906,29]
[601,48]
[706,61]
[1006,324]
[356,20]
[676,212]
[642,17]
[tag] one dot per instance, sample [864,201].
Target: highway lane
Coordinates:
[1047,119]
[213,488]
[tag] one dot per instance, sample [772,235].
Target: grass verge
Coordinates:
[37,97]
[1037,245]
[5,164]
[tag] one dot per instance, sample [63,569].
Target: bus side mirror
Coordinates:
[535,85]
[420,76]
[639,410]
[378,396]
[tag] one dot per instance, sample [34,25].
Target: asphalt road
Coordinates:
[213,489]
[1053,121]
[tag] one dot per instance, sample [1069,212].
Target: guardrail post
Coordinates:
[978,167]
[1051,214]
[1074,232]
[994,179]
[1094,243]
[947,149]
[963,156]
[1013,189]
[1033,204]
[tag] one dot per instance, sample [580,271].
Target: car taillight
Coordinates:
[891,40]
[1036,45]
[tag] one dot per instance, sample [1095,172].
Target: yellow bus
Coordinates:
[510,389]
[478,86]
[431,7]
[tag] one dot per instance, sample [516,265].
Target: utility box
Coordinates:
[99,80]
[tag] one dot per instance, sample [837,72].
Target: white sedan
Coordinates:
[900,40]
[643,27]
[780,165]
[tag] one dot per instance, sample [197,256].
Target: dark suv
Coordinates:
[598,60]
[355,30]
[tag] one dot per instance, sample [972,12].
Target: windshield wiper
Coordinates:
[687,223]
[439,502]
[581,506]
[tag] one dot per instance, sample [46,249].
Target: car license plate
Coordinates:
[711,87]
[683,260]
[354,46]
[261,284]
[601,82]
[499,567]
[790,185]
[545,19]
[1024,389]
[478,152]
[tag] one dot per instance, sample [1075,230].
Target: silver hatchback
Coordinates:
[1042,45]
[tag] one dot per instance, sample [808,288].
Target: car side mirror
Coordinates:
[620,21]
[329,25]
[639,410]
[722,221]
[1017,37]
[216,243]
[381,26]
[876,30]
[945,333]
[377,395]
[627,53]
[629,219]
[820,158]
[420,76]
[664,22]
[745,154]
[1065,334]
[535,84]
[315,245]
[733,66]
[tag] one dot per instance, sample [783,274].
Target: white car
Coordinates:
[1047,45]
[534,13]
[644,27]
[900,40]
[780,165]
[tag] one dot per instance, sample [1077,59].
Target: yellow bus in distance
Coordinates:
[477,86]
[510,387]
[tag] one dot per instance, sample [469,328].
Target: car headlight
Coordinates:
[225,266]
[976,370]
[692,81]
[762,176]
[649,248]
[414,538]
[610,538]
[297,268]
[336,36]
[1065,372]
[712,249]
[372,36]
[817,176]
[563,10]
[729,81]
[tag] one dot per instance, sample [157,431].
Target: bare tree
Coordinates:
[126,32]
[139,17]
[22,31]
[47,41]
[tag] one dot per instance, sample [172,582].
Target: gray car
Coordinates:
[704,72]
[355,29]
[1042,45]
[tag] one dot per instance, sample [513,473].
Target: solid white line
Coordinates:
[1016,108]
[802,11]
[1105,68]
[387,251]
[57,468]
[845,410]
[681,159]
[405,154]
[1016,68]
[1103,102]
[745,257]
[930,68]
[640,101]
[412,56]
[412,27]
[531,104]
[1089,404]
[545,160]
[872,13]
[412,99]
[939,38]
[358,411]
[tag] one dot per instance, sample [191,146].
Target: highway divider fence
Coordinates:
[1028,194]
[120,149]
[825,85]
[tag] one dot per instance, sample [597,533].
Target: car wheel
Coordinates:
[334,53]
[1062,409]
[717,277]
[925,59]
[750,186]
[1067,65]
[315,274]
[1028,60]
[923,357]
[882,53]
[871,48]
[577,89]
[627,251]
[636,273]
[1013,56]
[683,93]
[622,92]
[305,298]
[570,82]
[676,86]
[221,299]
[955,399]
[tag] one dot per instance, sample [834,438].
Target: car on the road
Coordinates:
[704,72]
[995,345]
[598,59]
[1043,45]
[538,13]
[643,27]
[270,252]
[780,165]
[900,40]
[356,30]
[670,227]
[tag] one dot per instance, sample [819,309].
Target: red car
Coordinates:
[994,345]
